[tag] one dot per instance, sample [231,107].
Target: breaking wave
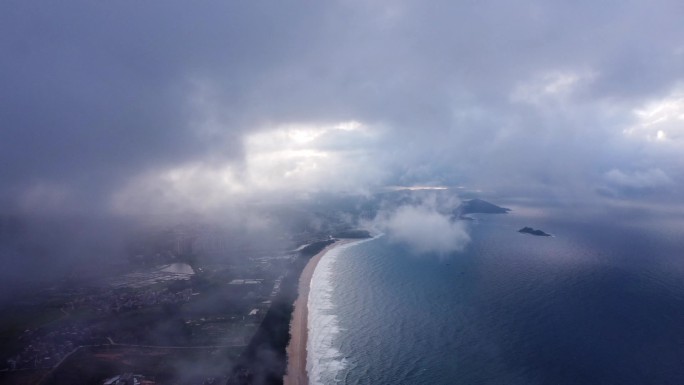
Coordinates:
[324,360]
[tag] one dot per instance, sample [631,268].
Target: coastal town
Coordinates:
[178,306]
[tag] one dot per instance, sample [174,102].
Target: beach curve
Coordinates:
[296,349]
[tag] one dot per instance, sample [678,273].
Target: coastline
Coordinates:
[296,348]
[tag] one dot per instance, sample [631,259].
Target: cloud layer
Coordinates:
[125,106]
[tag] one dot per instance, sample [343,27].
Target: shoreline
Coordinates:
[296,349]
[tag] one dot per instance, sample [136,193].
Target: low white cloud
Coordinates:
[424,229]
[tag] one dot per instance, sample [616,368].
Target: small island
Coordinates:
[529,230]
[477,206]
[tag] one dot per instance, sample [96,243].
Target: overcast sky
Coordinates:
[134,106]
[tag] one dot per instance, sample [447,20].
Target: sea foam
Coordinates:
[324,360]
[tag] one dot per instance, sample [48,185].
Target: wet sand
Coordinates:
[296,350]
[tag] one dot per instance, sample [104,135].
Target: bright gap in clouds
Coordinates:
[290,158]
[299,157]
[660,120]
[303,136]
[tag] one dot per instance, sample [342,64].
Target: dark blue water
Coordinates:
[602,302]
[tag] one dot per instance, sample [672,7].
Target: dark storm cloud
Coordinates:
[94,92]
[525,95]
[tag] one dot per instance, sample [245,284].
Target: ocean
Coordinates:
[600,302]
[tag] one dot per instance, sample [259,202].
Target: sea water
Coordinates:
[600,302]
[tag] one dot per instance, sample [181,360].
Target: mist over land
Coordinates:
[136,135]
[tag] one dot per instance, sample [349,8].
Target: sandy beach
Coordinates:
[296,350]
